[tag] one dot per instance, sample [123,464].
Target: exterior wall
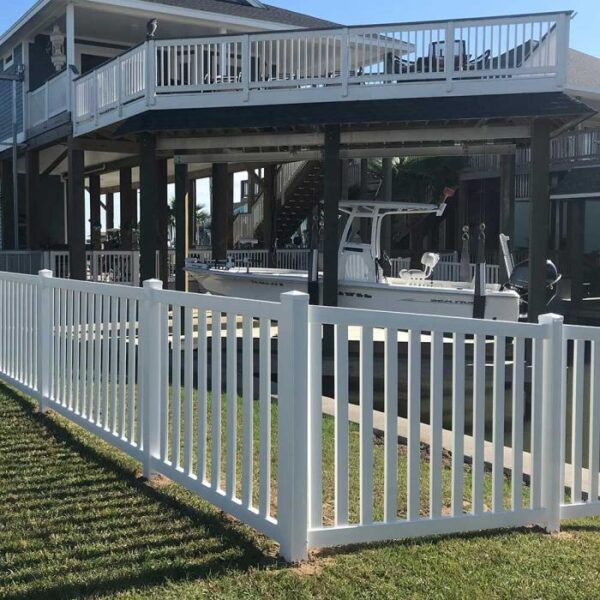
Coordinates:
[6,99]
[40,66]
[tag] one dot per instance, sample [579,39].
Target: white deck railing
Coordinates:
[143,370]
[462,57]
[49,100]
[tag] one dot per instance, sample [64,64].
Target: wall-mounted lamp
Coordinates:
[57,48]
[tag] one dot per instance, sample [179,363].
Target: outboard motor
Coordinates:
[519,282]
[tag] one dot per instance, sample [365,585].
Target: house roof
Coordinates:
[264,12]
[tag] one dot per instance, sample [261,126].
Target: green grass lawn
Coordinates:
[77,522]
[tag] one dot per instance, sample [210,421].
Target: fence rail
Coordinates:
[225,397]
[504,55]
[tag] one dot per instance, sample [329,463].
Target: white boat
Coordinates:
[361,279]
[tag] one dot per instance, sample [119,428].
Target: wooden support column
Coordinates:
[6,189]
[182,217]
[363,226]
[149,200]
[331,159]
[110,211]
[163,220]
[269,208]
[507,194]
[221,209]
[192,206]
[33,199]
[539,216]
[128,197]
[76,212]
[386,196]
[576,248]
[95,213]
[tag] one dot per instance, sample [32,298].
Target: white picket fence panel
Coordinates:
[168,377]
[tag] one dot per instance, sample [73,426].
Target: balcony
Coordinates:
[523,54]
[48,101]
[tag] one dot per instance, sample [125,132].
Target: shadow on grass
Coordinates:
[75,520]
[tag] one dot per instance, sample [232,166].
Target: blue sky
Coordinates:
[585,32]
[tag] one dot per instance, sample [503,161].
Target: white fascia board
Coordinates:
[574,196]
[188,13]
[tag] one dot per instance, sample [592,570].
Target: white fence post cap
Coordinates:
[153,284]
[47,273]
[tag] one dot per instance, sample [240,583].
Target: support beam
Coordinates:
[110,211]
[221,210]
[6,190]
[386,196]
[76,213]
[127,198]
[182,217]
[331,177]
[192,207]
[486,134]
[287,155]
[507,199]
[576,248]
[33,199]
[95,213]
[269,207]
[539,216]
[149,201]
[507,194]
[163,220]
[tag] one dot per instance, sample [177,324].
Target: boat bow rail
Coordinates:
[518,54]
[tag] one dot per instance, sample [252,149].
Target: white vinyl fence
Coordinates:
[170,377]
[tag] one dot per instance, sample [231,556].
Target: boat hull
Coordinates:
[430,299]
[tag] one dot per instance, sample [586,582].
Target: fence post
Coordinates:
[553,374]
[44,334]
[150,349]
[292,352]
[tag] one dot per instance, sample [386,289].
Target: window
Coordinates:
[9,60]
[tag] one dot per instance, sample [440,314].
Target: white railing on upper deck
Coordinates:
[49,100]
[463,57]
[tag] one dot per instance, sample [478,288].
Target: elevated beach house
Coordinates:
[120,95]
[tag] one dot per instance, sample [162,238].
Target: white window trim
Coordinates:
[6,63]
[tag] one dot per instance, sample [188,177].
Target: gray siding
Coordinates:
[6,99]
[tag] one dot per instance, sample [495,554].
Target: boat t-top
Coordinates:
[362,282]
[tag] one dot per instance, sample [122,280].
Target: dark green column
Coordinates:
[269,207]
[221,210]
[149,200]
[539,216]
[110,211]
[76,212]
[332,186]
[33,199]
[386,196]
[6,189]
[163,220]
[191,213]
[182,218]
[95,212]
[127,196]
[576,248]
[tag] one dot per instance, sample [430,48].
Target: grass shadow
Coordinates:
[78,521]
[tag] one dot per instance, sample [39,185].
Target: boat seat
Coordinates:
[429,260]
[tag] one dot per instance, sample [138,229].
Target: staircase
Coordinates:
[298,200]
[299,187]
